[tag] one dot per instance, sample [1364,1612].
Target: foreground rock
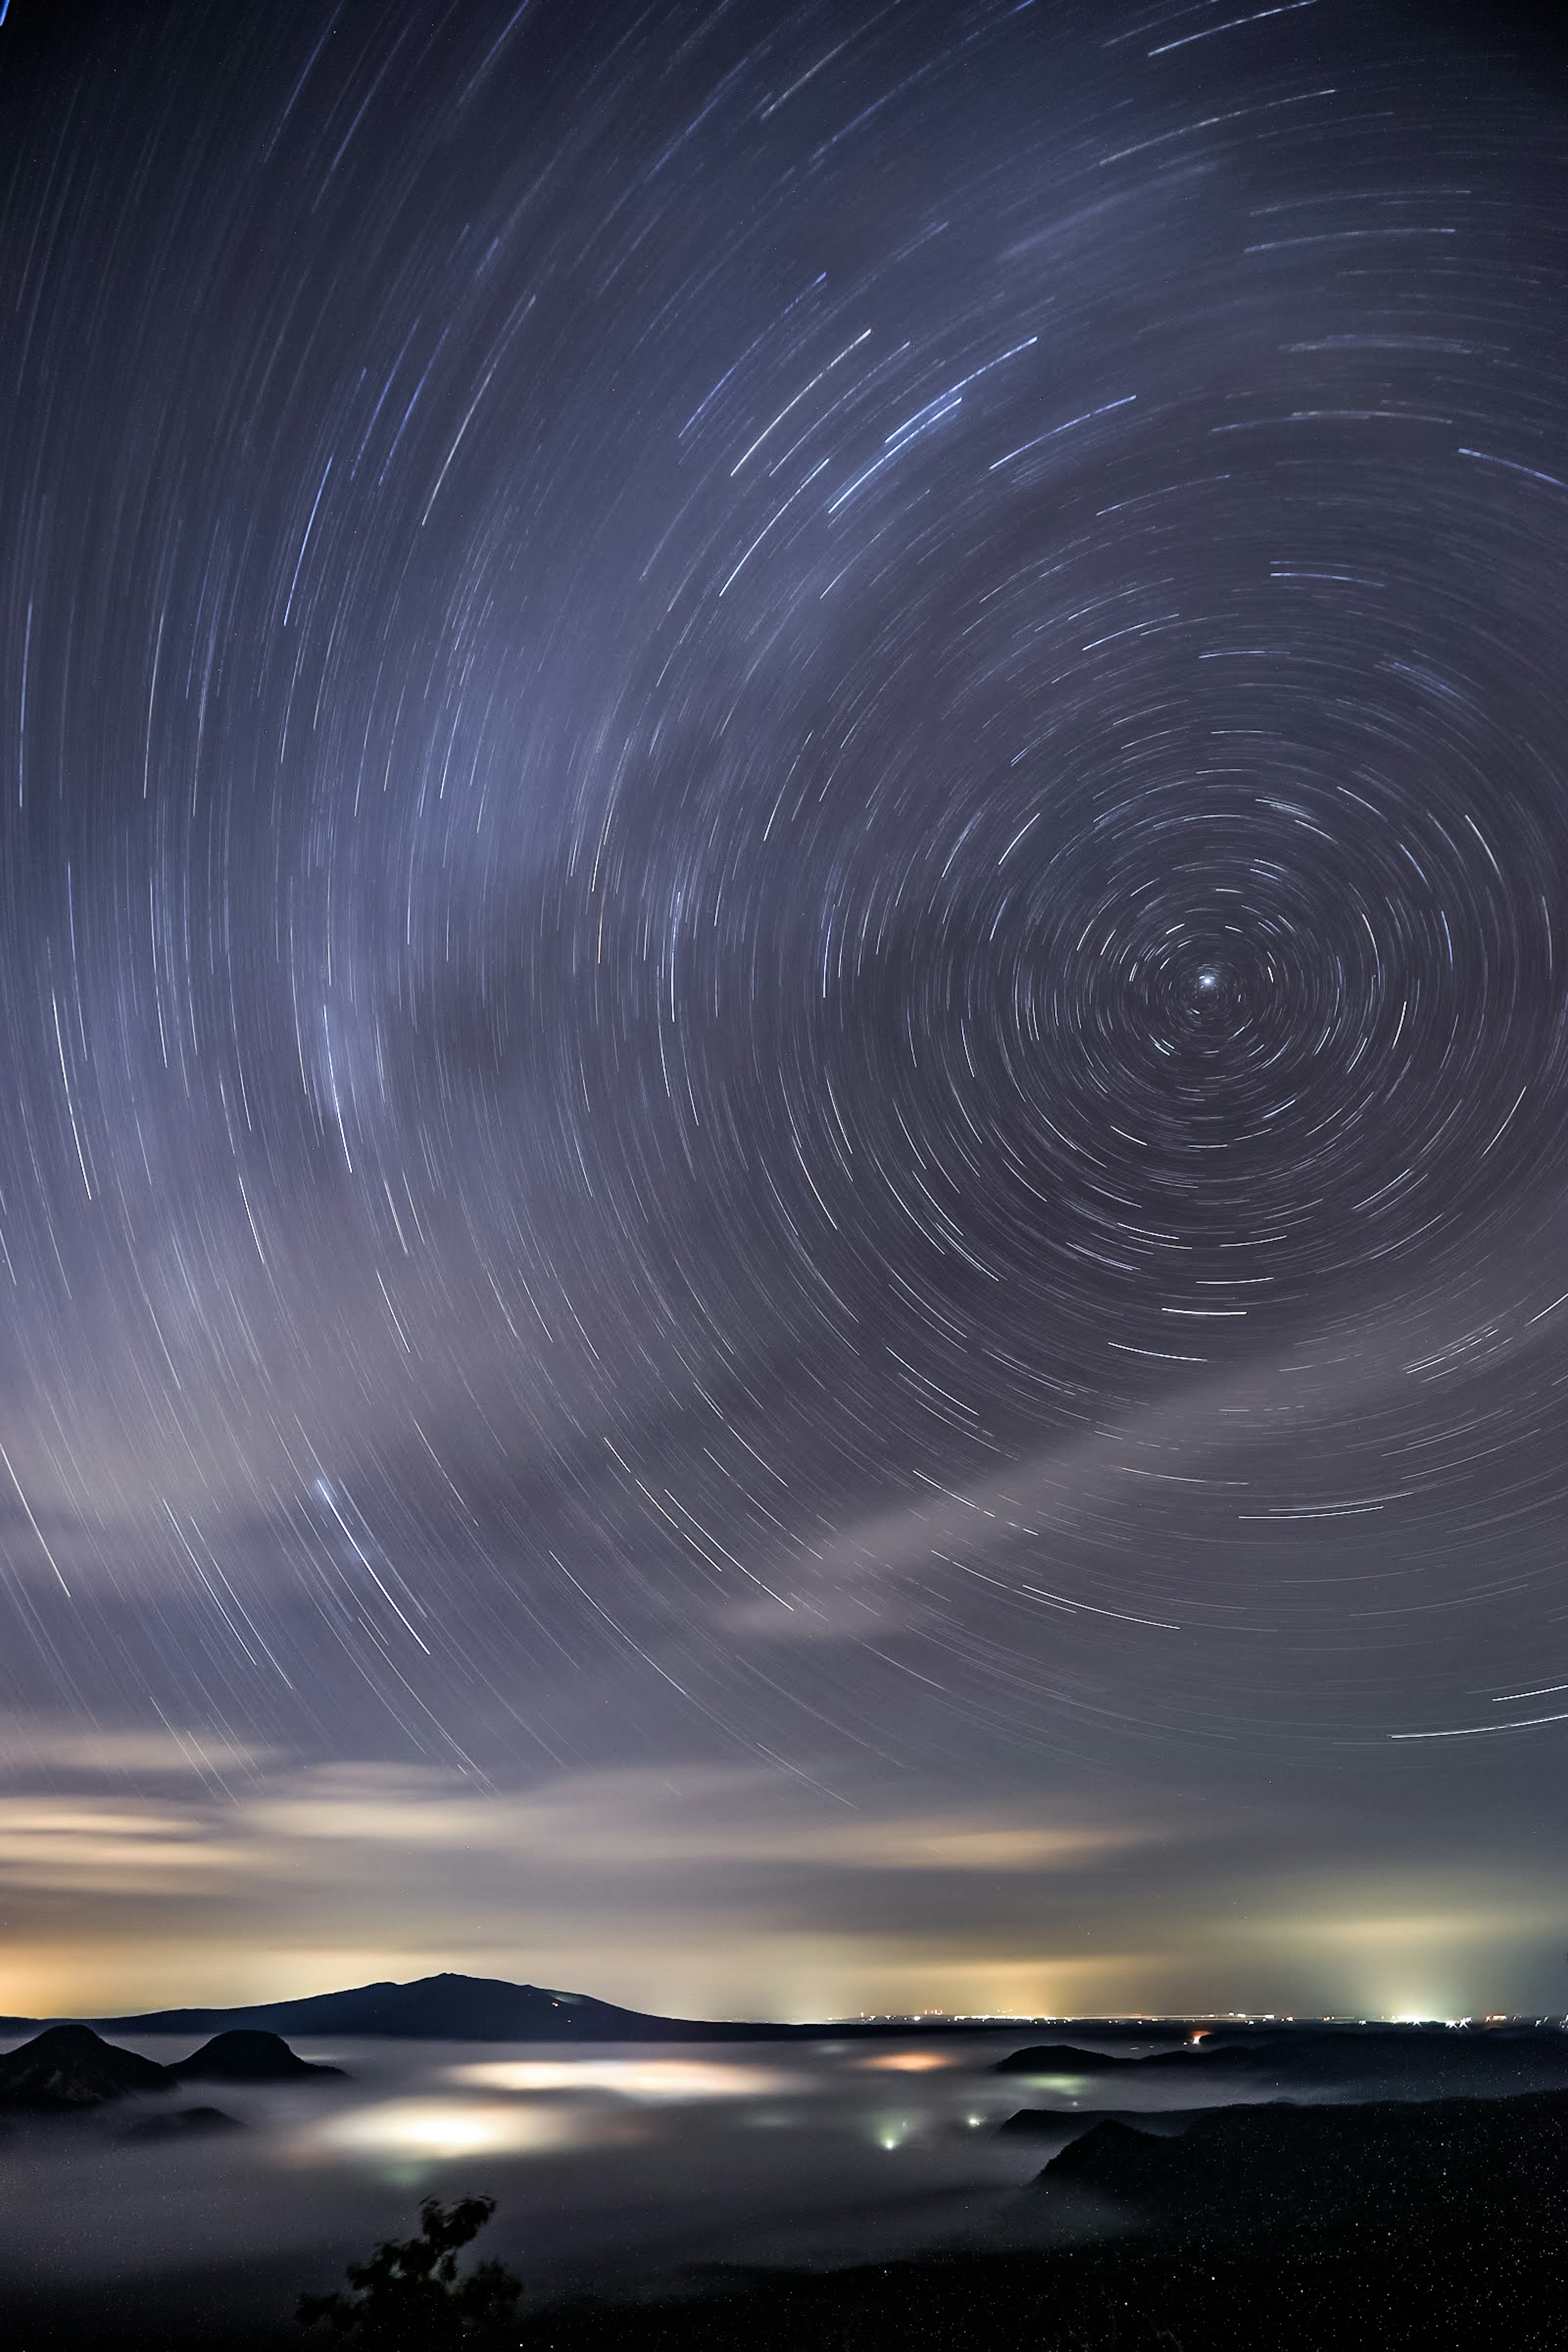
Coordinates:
[70,2068]
[246,2056]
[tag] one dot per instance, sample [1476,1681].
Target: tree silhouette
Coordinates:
[409,2295]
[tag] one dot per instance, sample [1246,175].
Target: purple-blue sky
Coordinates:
[782,815]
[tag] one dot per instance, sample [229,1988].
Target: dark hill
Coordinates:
[450,2008]
[1432,2061]
[447,2008]
[1060,2058]
[1439,2061]
[69,2068]
[245,2054]
[1288,2174]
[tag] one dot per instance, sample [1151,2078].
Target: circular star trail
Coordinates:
[782,855]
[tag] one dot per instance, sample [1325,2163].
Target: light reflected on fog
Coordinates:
[437,2128]
[891,2131]
[657,2080]
[904,2062]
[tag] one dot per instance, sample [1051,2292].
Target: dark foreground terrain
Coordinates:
[1400,2223]
[1425,2291]
[1104,2299]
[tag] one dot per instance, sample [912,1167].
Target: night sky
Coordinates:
[784,989]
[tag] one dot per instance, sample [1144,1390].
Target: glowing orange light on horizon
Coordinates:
[904,2062]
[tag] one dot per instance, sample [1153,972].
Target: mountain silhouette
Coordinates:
[1059,2058]
[67,2068]
[453,2008]
[1279,2173]
[245,2054]
[446,2008]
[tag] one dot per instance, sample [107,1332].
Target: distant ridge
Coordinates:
[449,2008]
[445,2008]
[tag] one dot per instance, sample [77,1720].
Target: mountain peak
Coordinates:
[69,2068]
[447,2007]
[247,2054]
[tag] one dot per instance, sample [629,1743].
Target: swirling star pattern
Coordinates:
[784,852]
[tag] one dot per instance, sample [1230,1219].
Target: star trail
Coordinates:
[783,806]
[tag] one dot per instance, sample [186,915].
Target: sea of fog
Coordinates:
[616,2168]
